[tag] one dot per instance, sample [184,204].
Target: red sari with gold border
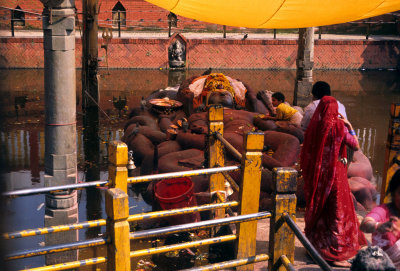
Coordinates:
[331,222]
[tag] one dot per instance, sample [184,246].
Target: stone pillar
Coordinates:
[305,62]
[60,131]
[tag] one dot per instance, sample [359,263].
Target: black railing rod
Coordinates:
[228,146]
[21,10]
[119,24]
[198,225]
[31,191]
[12,28]
[306,243]
[56,248]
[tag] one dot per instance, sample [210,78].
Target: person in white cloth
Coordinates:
[319,90]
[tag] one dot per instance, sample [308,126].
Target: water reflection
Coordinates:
[366,95]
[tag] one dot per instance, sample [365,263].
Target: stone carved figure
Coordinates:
[156,149]
[176,52]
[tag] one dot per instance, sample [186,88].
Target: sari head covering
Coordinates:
[331,222]
[321,149]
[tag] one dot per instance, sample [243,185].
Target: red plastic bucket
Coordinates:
[176,193]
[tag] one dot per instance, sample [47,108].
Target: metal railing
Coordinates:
[118,235]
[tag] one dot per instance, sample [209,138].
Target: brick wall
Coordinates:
[31,20]
[218,53]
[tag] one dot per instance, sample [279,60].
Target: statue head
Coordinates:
[177,49]
[222,97]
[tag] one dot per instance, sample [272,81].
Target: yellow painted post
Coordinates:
[118,250]
[281,237]
[249,196]
[117,165]
[392,148]
[215,151]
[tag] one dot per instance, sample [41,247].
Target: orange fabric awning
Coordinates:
[278,13]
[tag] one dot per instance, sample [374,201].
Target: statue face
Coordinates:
[222,97]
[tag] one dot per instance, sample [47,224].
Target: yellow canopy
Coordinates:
[278,13]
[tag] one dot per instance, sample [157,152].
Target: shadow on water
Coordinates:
[367,96]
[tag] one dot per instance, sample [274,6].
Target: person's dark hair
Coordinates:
[372,259]
[321,89]
[394,182]
[279,96]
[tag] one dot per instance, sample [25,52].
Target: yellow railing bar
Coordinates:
[286,263]
[198,225]
[156,250]
[57,248]
[69,265]
[233,263]
[53,229]
[181,211]
[187,173]
[102,222]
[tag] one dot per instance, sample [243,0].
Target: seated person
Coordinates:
[384,223]
[284,112]
[319,90]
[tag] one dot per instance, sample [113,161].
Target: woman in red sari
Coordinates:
[331,222]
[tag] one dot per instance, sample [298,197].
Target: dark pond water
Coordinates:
[367,96]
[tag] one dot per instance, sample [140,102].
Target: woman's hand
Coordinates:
[346,122]
[369,225]
[384,227]
[392,225]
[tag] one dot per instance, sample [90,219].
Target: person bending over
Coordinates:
[284,112]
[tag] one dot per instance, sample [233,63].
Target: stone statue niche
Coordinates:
[177,55]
